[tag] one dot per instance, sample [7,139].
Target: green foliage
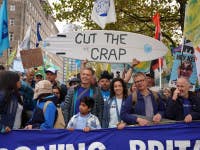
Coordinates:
[132,15]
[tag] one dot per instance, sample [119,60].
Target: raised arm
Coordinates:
[130,70]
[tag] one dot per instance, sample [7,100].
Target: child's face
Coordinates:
[84,109]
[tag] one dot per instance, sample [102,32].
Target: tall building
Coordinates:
[22,14]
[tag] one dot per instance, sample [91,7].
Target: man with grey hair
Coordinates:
[143,106]
[184,105]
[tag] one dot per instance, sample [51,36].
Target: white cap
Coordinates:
[52,70]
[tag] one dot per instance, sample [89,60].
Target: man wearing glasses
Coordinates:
[143,106]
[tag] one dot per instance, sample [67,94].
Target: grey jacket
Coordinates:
[68,105]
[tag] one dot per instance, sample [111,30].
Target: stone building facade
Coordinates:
[22,14]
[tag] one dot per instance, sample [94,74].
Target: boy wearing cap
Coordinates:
[84,119]
[43,119]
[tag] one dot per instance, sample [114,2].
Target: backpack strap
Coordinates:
[45,105]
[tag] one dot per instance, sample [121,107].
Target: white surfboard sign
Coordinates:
[105,46]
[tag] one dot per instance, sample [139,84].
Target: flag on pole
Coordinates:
[156,21]
[158,62]
[103,12]
[25,44]
[4,38]
[39,38]
[156,65]
[142,67]
[12,57]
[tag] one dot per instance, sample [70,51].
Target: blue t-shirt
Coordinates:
[79,91]
[186,107]
[105,94]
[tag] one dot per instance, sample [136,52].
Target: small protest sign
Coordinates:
[31,58]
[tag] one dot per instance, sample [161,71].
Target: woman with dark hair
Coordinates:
[11,104]
[118,92]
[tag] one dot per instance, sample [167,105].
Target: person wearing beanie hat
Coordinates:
[74,81]
[104,84]
[43,119]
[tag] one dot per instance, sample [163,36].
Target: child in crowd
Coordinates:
[84,119]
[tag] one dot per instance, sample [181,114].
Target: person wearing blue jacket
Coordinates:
[44,114]
[147,106]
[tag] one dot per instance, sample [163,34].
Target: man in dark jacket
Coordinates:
[144,106]
[184,105]
[70,106]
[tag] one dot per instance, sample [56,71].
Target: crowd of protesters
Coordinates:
[87,103]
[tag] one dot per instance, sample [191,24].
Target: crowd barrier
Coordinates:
[174,136]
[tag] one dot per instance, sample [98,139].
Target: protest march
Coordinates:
[120,75]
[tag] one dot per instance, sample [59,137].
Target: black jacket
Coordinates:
[7,110]
[174,109]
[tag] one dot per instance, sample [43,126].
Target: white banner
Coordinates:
[103,12]
[105,46]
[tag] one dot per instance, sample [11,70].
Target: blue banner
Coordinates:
[160,137]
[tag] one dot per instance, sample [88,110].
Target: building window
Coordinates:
[11,36]
[12,21]
[12,7]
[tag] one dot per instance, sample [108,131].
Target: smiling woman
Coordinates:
[112,108]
